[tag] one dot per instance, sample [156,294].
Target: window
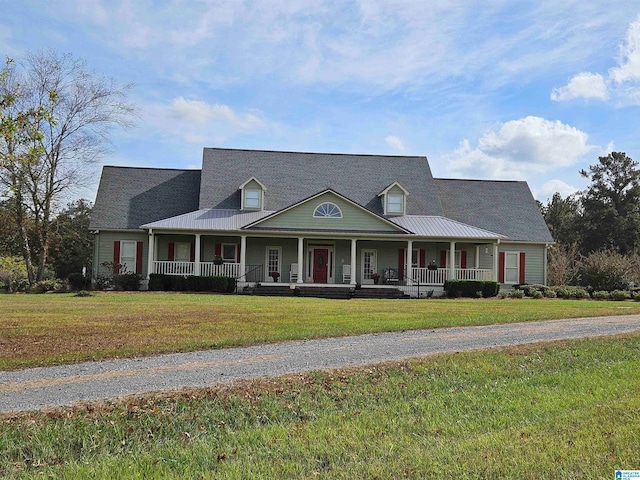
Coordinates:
[252,198]
[127,256]
[395,203]
[229,252]
[327,210]
[511,267]
[182,252]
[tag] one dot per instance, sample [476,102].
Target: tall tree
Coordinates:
[56,116]
[563,217]
[612,205]
[71,241]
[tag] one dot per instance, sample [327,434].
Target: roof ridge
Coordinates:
[154,168]
[479,180]
[316,153]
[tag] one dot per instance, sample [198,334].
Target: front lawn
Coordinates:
[61,328]
[563,410]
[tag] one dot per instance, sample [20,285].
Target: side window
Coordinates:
[128,255]
[229,252]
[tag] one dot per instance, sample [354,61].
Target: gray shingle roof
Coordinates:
[504,207]
[290,177]
[129,197]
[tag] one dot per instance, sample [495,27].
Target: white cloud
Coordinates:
[629,59]
[584,85]
[394,142]
[552,186]
[199,122]
[623,81]
[520,147]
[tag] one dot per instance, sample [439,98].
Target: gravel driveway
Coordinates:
[38,388]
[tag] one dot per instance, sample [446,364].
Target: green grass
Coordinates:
[61,328]
[563,410]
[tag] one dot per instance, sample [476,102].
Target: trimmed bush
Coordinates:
[176,283]
[517,293]
[620,295]
[549,293]
[568,291]
[537,294]
[127,281]
[470,288]
[601,295]
[530,290]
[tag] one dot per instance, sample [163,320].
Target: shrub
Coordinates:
[84,293]
[127,281]
[537,294]
[620,295]
[549,293]
[470,288]
[607,270]
[176,283]
[517,293]
[77,281]
[13,274]
[568,291]
[44,286]
[601,295]
[530,290]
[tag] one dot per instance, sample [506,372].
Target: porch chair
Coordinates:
[293,273]
[346,274]
[391,276]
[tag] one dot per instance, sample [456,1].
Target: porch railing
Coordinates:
[253,273]
[424,276]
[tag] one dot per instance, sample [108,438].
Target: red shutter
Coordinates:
[116,257]
[501,267]
[521,279]
[443,259]
[463,259]
[422,259]
[401,264]
[238,252]
[192,252]
[218,252]
[139,258]
[172,251]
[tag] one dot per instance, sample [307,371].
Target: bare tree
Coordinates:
[57,116]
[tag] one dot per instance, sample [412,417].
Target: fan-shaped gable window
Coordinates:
[327,210]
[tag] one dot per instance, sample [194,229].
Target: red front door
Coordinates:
[320,262]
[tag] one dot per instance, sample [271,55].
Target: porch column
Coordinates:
[354,254]
[408,262]
[477,258]
[150,254]
[452,260]
[300,259]
[495,262]
[243,258]
[196,267]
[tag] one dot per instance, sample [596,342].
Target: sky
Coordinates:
[498,89]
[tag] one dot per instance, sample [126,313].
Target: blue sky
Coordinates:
[495,90]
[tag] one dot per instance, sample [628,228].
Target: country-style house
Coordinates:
[318,218]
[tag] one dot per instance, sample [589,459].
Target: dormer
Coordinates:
[252,195]
[394,199]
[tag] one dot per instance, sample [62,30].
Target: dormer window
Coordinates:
[394,199]
[252,194]
[252,198]
[395,203]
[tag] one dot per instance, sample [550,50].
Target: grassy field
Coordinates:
[563,410]
[51,329]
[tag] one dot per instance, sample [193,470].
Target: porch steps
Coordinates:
[343,293]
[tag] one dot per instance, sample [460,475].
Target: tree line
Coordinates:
[599,227]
